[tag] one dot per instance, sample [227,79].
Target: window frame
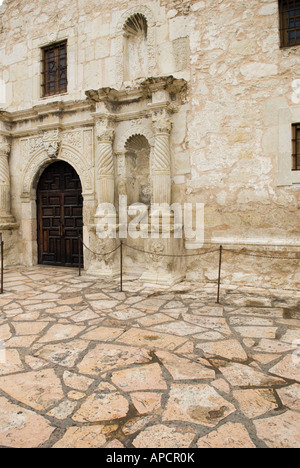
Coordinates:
[49,86]
[284,7]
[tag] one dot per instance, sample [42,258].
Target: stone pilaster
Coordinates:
[162,160]
[5,203]
[105,161]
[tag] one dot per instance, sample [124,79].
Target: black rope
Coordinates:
[169,255]
[100,254]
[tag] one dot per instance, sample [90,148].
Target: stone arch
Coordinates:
[130,128]
[137,12]
[40,160]
[135,56]
[137,161]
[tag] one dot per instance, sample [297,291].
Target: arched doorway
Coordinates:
[59,216]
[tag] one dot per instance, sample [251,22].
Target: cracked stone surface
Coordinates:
[84,365]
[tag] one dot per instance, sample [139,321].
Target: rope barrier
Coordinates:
[98,253]
[169,255]
[221,251]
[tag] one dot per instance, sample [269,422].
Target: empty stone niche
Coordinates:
[138,170]
[135,48]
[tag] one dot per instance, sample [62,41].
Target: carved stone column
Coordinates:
[162,161]
[5,203]
[105,162]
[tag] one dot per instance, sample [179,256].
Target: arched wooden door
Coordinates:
[59,212]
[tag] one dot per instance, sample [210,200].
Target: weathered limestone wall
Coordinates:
[230,139]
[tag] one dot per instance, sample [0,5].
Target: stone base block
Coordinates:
[161,278]
[102,270]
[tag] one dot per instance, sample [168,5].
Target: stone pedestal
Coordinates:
[165,267]
[106,266]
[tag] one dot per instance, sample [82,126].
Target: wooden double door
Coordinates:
[59,212]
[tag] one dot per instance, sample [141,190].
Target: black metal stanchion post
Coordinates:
[79,256]
[121,267]
[219,277]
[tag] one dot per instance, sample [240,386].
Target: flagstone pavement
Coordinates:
[84,365]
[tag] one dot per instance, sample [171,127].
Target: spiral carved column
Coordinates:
[162,161]
[5,204]
[105,161]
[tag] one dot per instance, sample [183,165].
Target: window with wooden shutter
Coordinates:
[289,22]
[54,69]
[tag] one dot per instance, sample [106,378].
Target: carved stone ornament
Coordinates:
[105,130]
[4,145]
[51,142]
[161,122]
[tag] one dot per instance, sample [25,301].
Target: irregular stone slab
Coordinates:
[103,334]
[290,396]
[257,332]
[273,346]
[289,368]
[151,304]
[78,382]
[161,436]
[102,407]
[137,424]
[179,328]
[126,314]
[85,437]
[106,357]
[155,319]
[29,328]
[101,305]
[10,361]
[184,369]
[209,336]
[20,428]
[199,404]
[265,358]
[292,336]
[140,378]
[281,431]
[214,311]
[242,320]
[239,375]
[5,332]
[230,435]
[60,332]
[64,354]
[39,390]
[216,324]
[146,402]
[85,315]
[151,339]
[221,385]
[21,341]
[229,349]
[63,410]
[254,403]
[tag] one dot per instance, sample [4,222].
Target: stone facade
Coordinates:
[201,88]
